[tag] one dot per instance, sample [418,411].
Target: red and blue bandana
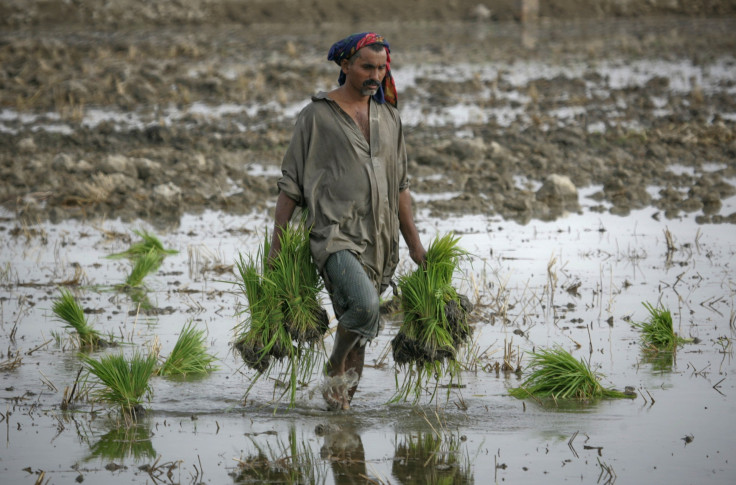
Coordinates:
[345,48]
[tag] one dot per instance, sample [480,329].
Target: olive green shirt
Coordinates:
[349,187]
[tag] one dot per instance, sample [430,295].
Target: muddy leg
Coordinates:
[355,361]
[338,363]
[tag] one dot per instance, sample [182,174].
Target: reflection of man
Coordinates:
[344,449]
[346,165]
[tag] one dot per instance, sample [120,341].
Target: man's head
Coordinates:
[364,61]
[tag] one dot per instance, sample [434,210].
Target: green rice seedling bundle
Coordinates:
[297,286]
[122,382]
[142,266]
[262,335]
[658,334]
[189,355]
[435,320]
[285,318]
[68,310]
[146,256]
[556,374]
[148,243]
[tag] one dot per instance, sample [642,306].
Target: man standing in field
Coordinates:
[346,166]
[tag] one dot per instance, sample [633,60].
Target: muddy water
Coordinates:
[523,279]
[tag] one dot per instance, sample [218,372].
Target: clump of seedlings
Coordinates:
[189,355]
[285,318]
[658,334]
[146,256]
[435,322]
[148,243]
[123,382]
[557,375]
[68,310]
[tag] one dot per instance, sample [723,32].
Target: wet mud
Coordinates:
[142,122]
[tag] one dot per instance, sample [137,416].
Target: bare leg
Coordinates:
[339,362]
[355,361]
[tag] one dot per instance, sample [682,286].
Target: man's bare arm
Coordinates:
[285,206]
[409,229]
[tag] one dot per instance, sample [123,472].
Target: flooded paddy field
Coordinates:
[578,282]
[180,131]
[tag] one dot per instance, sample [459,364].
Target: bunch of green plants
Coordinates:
[146,257]
[435,322]
[122,382]
[68,310]
[189,355]
[658,334]
[556,374]
[285,319]
[148,243]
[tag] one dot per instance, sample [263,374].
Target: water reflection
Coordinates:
[123,442]
[419,457]
[659,361]
[344,450]
[279,462]
[425,457]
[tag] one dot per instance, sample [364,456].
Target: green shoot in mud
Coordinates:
[556,374]
[124,383]
[149,243]
[189,355]
[68,310]
[285,318]
[435,321]
[658,334]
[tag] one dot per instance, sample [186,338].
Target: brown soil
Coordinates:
[138,57]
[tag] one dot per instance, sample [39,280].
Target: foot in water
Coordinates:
[335,390]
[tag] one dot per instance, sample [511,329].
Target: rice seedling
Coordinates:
[149,243]
[122,382]
[68,310]
[556,374]
[658,334]
[434,319]
[189,355]
[297,285]
[142,266]
[285,318]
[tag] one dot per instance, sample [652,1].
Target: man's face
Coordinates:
[365,70]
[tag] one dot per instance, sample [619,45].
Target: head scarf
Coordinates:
[345,48]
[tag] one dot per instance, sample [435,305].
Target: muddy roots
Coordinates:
[312,333]
[410,350]
[252,354]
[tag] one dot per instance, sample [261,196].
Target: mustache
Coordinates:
[370,82]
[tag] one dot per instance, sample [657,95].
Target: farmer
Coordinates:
[346,166]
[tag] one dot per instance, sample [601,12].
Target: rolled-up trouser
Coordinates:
[353,295]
